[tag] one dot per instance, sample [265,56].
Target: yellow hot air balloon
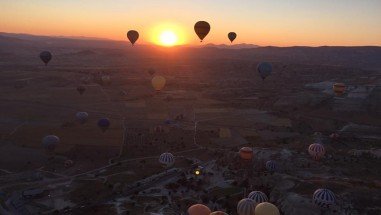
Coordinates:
[158,82]
[339,89]
[266,208]
[199,209]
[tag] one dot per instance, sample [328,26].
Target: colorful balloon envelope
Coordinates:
[316,150]
[202,29]
[45,56]
[158,82]
[232,36]
[266,208]
[132,36]
[199,209]
[257,197]
[104,124]
[246,153]
[246,207]
[323,198]
[167,159]
[339,89]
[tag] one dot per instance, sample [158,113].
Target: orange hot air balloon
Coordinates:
[199,209]
[133,36]
[266,208]
[339,89]
[202,29]
[158,82]
[232,36]
[246,153]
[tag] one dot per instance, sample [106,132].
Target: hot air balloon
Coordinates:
[158,82]
[232,36]
[264,70]
[246,153]
[167,159]
[81,89]
[82,116]
[334,136]
[199,209]
[339,89]
[218,213]
[45,56]
[133,36]
[104,124]
[271,166]
[246,207]
[316,150]
[202,29]
[151,71]
[323,198]
[257,197]
[266,208]
[50,142]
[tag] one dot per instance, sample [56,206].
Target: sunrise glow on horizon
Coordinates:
[170,23]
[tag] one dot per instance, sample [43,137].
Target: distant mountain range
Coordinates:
[364,57]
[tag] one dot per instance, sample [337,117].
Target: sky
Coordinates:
[260,22]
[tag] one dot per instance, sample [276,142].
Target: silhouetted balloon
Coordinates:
[264,69]
[245,207]
[323,198]
[246,153]
[158,82]
[257,197]
[82,116]
[316,150]
[81,89]
[133,36]
[104,124]
[202,29]
[232,36]
[167,159]
[339,89]
[45,57]
[199,209]
[50,142]
[266,208]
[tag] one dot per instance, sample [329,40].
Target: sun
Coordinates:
[168,38]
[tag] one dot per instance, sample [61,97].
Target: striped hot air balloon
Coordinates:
[246,207]
[82,116]
[257,197]
[323,198]
[167,159]
[271,166]
[246,153]
[316,150]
